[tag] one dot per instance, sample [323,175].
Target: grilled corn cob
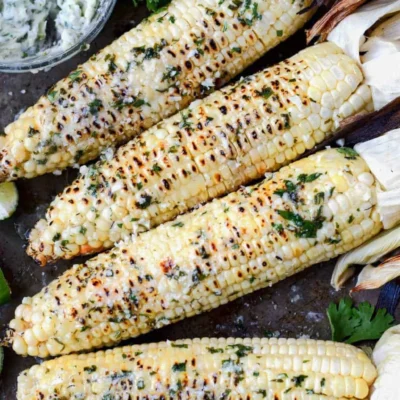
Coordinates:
[230,138]
[310,211]
[146,75]
[206,369]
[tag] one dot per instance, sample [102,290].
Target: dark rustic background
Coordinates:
[293,308]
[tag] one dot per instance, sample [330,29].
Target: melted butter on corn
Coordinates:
[233,369]
[148,74]
[310,211]
[227,140]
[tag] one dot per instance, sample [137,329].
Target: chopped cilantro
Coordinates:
[304,228]
[75,76]
[213,350]
[266,93]
[90,369]
[304,178]
[348,153]
[179,367]
[94,106]
[52,95]
[319,198]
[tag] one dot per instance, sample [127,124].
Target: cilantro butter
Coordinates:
[29,27]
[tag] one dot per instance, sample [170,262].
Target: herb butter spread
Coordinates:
[29,27]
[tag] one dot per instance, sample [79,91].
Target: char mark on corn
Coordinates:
[310,211]
[214,368]
[227,140]
[148,74]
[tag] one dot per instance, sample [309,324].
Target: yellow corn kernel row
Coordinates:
[216,145]
[148,74]
[208,368]
[310,211]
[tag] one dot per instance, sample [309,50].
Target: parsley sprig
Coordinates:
[353,324]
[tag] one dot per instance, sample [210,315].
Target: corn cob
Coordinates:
[230,138]
[206,368]
[310,211]
[146,75]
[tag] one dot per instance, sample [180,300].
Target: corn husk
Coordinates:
[383,40]
[384,163]
[386,357]
[337,13]
[375,277]
[378,51]
[370,252]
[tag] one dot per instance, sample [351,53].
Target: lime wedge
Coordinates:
[5,291]
[8,199]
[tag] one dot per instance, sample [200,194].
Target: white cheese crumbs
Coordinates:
[117,187]
[108,154]
[340,142]
[208,83]
[83,170]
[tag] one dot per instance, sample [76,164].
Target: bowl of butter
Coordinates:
[38,34]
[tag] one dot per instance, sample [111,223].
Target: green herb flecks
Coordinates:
[303,228]
[348,153]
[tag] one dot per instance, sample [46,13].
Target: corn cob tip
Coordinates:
[44,253]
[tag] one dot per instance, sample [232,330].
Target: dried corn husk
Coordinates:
[375,277]
[368,253]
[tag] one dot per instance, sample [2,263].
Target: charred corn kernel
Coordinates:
[206,368]
[245,241]
[146,75]
[230,138]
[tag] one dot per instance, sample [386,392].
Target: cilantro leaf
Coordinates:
[351,324]
[371,326]
[340,320]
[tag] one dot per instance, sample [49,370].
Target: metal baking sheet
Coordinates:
[293,308]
